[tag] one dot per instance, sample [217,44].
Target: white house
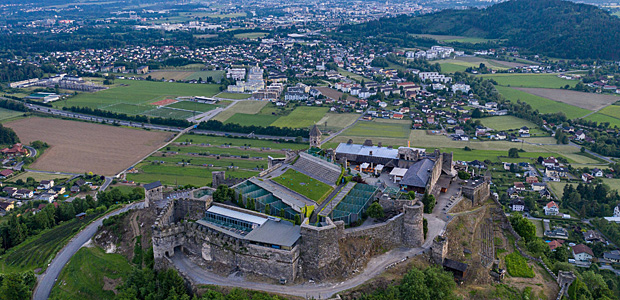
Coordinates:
[596,172]
[45,185]
[582,253]
[517,205]
[551,209]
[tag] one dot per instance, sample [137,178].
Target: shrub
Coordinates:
[517,266]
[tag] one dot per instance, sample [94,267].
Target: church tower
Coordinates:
[315,137]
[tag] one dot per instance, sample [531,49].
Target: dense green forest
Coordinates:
[554,28]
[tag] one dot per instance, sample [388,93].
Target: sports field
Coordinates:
[541,104]
[91,274]
[193,106]
[502,123]
[233,96]
[243,107]
[135,97]
[334,122]
[305,185]
[530,80]
[301,117]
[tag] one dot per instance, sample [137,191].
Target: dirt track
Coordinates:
[589,101]
[80,147]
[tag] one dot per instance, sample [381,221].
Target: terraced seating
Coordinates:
[317,168]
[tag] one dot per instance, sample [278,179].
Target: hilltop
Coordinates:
[554,28]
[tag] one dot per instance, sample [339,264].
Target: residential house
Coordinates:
[6,206]
[556,172]
[587,178]
[596,172]
[59,189]
[555,244]
[551,209]
[49,197]
[582,253]
[16,150]
[538,186]
[519,186]
[613,256]
[10,191]
[517,205]
[45,185]
[592,236]
[6,173]
[24,194]
[545,194]
[531,179]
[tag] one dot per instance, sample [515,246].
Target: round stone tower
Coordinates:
[413,228]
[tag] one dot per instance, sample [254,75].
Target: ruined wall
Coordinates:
[320,248]
[165,239]
[477,194]
[439,249]
[389,232]
[446,163]
[188,209]
[153,195]
[435,173]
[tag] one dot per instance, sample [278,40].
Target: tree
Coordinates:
[477,113]
[464,175]
[523,226]
[429,203]
[375,211]
[513,153]
[14,288]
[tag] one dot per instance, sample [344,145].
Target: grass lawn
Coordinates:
[169,113]
[460,154]
[541,104]
[502,123]
[130,109]
[242,107]
[603,118]
[191,105]
[234,96]
[251,35]
[38,177]
[249,119]
[517,266]
[7,114]
[335,122]
[353,76]
[138,93]
[37,251]
[222,162]
[301,117]
[380,128]
[450,67]
[254,143]
[530,80]
[305,185]
[176,174]
[83,277]
[225,151]
[216,75]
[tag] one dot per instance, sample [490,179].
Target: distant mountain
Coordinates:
[554,28]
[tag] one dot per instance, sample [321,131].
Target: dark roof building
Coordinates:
[152,185]
[418,174]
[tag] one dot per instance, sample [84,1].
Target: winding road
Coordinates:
[48,279]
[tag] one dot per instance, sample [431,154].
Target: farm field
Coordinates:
[193,106]
[79,147]
[603,118]
[6,114]
[492,155]
[37,251]
[380,128]
[301,117]
[530,80]
[251,35]
[88,274]
[215,74]
[135,97]
[254,143]
[454,38]
[233,96]
[506,123]
[179,175]
[168,74]
[252,119]
[37,176]
[589,101]
[224,151]
[242,107]
[541,104]
[335,122]
[305,185]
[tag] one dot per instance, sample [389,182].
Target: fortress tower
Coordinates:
[439,249]
[315,137]
[413,228]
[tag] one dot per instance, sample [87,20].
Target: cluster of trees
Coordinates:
[17,286]
[380,62]
[375,211]
[121,116]
[8,136]
[591,200]
[553,28]
[224,194]
[115,196]
[430,283]
[16,72]
[269,130]
[561,137]
[13,105]
[611,230]
[429,202]
[590,286]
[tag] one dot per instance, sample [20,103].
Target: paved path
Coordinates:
[374,267]
[48,279]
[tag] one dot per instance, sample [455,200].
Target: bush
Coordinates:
[464,175]
[517,266]
[375,211]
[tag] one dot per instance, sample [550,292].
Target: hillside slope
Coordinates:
[554,28]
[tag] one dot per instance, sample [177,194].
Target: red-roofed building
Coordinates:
[555,244]
[16,150]
[582,253]
[551,209]
[6,173]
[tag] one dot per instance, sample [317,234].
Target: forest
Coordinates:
[553,28]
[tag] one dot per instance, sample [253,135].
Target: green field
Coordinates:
[455,38]
[83,277]
[135,97]
[602,118]
[249,119]
[191,105]
[541,104]
[449,67]
[241,107]
[251,35]
[502,123]
[305,185]
[38,177]
[179,175]
[37,251]
[492,155]
[169,113]
[234,96]
[221,163]
[6,114]
[380,128]
[216,75]
[530,80]
[301,117]
[254,143]
[334,121]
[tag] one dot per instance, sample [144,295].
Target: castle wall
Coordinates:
[390,232]
[477,194]
[413,228]
[320,248]
[435,173]
[190,209]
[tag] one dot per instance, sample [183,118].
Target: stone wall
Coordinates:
[389,232]
[165,239]
[435,174]
[413,228]
[477,193]
[320,248]
[153,195]
[439,249]
[188,209]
